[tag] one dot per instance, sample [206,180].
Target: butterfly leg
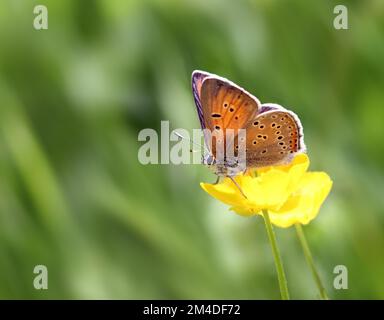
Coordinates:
[217,180]
[237,185]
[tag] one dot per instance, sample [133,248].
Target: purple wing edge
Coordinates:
[198,75]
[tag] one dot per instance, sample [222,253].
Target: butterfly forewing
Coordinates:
[226,106]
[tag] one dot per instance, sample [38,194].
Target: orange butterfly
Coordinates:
[273,134]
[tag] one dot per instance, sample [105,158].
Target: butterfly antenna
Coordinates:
[237,185]
[193,142]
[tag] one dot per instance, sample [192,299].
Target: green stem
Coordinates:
[310,262]
[276,255]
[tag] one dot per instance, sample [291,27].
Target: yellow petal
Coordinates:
[268,191]
[299,159]
[273,185]
[226,192]
[244,211]
[305,202]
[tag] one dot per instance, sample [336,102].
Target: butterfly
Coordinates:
[274,135]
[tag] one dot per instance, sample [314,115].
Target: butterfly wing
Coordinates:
[270,106]
[273,137]
[197,81]
[226,106]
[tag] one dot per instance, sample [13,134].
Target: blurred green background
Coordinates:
[73,98]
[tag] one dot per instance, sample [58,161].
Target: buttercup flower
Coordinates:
[289,193]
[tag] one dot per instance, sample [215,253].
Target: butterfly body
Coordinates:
[229,168]
[272,134]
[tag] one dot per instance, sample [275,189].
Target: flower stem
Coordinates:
[310,262]
[276,254]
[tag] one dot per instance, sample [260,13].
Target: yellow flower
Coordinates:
[289,193]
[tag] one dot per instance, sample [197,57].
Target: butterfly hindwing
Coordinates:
[273,137]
